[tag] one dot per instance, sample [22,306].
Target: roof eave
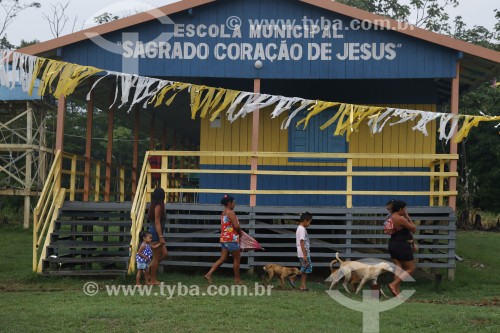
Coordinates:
[123,23]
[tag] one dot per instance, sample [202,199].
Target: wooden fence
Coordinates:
[192,235]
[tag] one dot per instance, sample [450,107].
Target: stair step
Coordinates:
[120,223]
[110,272]
[86,244]
[92,233]
[87,214]
[106,260]
[97,206]
[65,252]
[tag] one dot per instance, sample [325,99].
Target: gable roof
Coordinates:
[333,6]
[478,63]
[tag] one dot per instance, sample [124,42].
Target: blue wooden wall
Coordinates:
[413,58]
[309,183]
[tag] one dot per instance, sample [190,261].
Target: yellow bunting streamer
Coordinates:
[228,100]
[38,67]
[180,87]
[217,100]
[316,109]
[334,118]
[62,78]
[469,123]
[207,101]
[72,76]
[161,94]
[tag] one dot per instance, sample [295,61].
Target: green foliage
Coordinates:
[430,14]
[11,210]
[25,43]
[5,44]
[105,18]
[480,151]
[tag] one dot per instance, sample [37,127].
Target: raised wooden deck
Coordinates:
[192,235]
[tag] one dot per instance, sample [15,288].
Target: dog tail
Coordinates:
[337,256]
[333,262]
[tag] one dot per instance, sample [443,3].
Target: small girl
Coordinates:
[143,257]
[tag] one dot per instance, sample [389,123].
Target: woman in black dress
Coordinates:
[400,245]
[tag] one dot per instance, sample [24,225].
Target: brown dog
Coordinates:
[363,271]
[281,272]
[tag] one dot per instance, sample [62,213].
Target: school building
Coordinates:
[287,105]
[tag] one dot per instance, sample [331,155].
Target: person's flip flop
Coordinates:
[393,292]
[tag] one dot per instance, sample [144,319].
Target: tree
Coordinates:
[57,19]
[429,14]
[480,151]
[11,9]
[25,43]
[389,8]
[105,18]
[5,44]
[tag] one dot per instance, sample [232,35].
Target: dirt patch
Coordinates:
[494,302]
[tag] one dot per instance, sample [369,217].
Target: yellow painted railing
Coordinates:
[46,211]
[438,181]
[65,181]
[141,197]
[73,179]
[179,165]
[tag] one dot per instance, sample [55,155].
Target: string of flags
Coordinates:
[61,78]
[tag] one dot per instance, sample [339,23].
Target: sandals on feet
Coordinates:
[393,292]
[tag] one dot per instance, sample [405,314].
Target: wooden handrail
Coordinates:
[138,210]
[43,213]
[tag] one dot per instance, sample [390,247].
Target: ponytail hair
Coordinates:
[226,199]
[143,234]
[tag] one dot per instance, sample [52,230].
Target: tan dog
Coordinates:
[281,272]
[364,271]
[355,279]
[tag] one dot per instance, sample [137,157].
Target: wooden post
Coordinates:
[61,112]
[255,146]
[254,166]
[97,189]
[349,183]
[72,183]
[136,151]
[42,157]
[109,153]
[164,139]
[152,132]
[88,143]
[455,94]
[29,162]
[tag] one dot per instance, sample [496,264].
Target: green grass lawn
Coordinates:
[31,303]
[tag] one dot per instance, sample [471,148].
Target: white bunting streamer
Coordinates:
[17,68]
[304,104]
[426,118]
[237,101]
